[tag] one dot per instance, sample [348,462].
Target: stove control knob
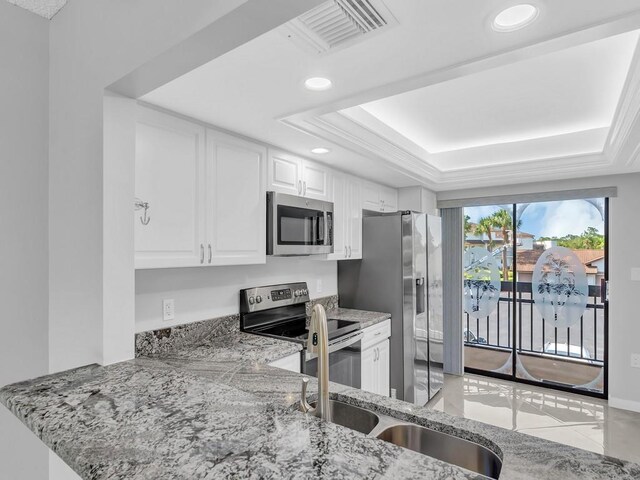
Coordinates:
[305,292]
[297,293]
[251,300]
[258,299]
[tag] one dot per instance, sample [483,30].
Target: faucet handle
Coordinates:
[304,406]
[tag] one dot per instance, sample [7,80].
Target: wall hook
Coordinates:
[139,205]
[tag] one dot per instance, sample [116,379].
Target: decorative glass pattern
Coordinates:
[481,282]
[560,288]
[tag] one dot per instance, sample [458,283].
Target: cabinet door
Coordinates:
[382,368]
[371,196]
[340,218]
[285,173]
[170,177]
[389,198]
[368,377]
[315,181]
[354,218]
[236,201]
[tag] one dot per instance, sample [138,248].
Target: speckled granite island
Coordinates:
[213,409]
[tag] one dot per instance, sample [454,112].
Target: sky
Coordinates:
[550,219]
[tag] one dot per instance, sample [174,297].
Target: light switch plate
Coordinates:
[168,309]
[635,274]
[635,360]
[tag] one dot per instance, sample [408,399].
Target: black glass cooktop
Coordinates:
[296,329]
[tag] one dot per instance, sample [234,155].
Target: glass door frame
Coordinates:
[513,376]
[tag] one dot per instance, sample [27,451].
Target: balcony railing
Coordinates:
[533,334]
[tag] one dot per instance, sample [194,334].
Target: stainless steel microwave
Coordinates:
[298,225]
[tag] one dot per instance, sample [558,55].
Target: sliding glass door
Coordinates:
[534,295]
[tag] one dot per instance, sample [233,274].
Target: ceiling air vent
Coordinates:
[338,23]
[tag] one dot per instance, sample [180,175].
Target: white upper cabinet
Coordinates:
[285,173]
[347,217]
[340,213]
[206,193]
[236,200]
[297,176]
[379,198]
[170,178]
[354,218]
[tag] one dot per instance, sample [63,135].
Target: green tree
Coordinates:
[468,226]
[502,220]
[485,227]
[589,239]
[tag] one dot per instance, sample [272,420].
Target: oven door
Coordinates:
[344,361]
[298,226]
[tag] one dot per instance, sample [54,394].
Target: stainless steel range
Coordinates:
[279,311]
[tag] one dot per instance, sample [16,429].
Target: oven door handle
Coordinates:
[340,344]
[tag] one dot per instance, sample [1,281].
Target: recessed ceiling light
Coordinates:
[514,18]
[318,83]
[320,150]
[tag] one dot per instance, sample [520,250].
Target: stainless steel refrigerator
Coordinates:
[401,273]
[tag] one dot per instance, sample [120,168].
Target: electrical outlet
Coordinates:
[635,360]
[393,393]
[168,309]
[319,285]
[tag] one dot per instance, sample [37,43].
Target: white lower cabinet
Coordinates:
[290,362]
[374,361]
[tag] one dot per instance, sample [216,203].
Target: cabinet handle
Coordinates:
[304,188]
[210,254]
[299,187]
[201,253]
[345,251]
[349,251]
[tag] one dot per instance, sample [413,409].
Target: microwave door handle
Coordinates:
[321,229]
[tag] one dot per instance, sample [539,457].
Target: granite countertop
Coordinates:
[366,319]
[216,410]
[217,417]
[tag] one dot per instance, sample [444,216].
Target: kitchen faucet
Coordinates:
[318,343]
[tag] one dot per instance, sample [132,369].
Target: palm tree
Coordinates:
[468,226]
[502,220]
[485,227]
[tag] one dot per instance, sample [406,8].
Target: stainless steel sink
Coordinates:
[444,447]
[355,418]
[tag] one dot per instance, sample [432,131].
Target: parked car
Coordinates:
[567,350]
[469,337]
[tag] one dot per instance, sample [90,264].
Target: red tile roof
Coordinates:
[527,259]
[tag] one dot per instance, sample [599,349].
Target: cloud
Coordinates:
[567,217]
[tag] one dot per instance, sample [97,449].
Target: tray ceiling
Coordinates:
[441,99]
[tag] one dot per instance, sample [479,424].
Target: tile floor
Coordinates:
[572,419]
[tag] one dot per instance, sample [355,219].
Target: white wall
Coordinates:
[624,254]
[209,292]
[92,45]
[23,226]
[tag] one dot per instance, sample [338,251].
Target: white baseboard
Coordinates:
[624,404]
